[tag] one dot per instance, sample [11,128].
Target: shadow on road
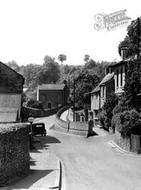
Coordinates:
[44,142]
[48,140]
[33,176]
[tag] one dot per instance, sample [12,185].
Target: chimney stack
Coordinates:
[124,53]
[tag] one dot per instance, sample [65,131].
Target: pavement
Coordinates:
[91,164]
[44,171]
[64,115]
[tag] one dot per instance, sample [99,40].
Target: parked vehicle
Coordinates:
[38,129]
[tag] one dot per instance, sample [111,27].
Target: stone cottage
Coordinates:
[106,87]
[114,81]
[53,95]
[11,89]
[101,92]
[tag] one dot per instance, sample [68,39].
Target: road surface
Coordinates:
[92,164]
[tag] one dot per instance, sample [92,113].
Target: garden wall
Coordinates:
[132,143]
[28,112]
[78,128]
[122,142]
[14,151]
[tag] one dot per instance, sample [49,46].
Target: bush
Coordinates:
[119,108]
[108,107]
[102,117]
[115,122]
[34,104]
[127,122]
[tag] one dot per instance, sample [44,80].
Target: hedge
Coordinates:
[14,151]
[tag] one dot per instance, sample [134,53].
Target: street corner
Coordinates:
[120,150]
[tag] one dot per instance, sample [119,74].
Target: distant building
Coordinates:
[114,81]
[11,89]
[101,92]
[119,70]
[53,95]
[95,101]
[106,88]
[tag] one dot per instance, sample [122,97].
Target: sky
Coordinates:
[31,29]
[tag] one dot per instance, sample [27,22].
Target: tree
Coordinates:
[50,72]
[31,75]
[86,58]
[132,86]
[132,39]
[62,58]
[84,84]
[90,64]
[14,65]
[109,105]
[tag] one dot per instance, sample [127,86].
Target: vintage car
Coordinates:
[38,129]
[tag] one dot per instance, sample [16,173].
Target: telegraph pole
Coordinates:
[74,100]
[138,33]
[138,42]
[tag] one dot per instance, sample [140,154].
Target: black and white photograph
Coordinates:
[70,95]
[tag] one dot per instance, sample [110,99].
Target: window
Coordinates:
[121,79]
[117,77]
[102,91]
[49,105]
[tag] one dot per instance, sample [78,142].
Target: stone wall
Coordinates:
[132,143]
[78,128]
[14,152]
[122,142]
[28,112]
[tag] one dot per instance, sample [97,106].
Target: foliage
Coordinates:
[86,58]
[98,69]
[108,107]
[102,117]
[34,104]
[128,122]
[50,72]
[115,122]
[13,65]
[62,58]
[132,86]
[119,108]
[31,74]
[131,40]
[84,84]
[90,64]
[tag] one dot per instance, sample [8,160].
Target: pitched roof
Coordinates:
[107,78]
[97,89]
[51,87]
[12,70]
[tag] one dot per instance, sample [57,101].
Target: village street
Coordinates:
[91,163]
